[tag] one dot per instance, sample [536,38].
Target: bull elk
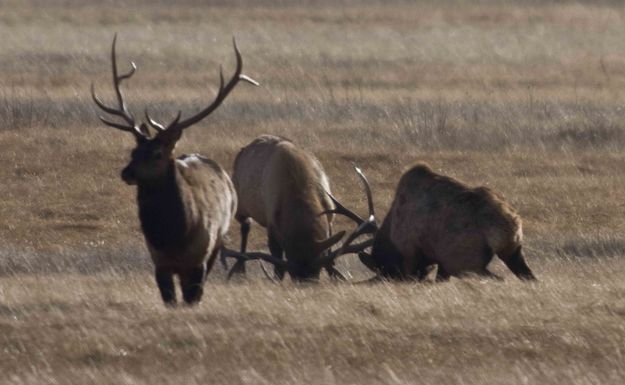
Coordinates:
[185,203]
[435,219]
[283,188]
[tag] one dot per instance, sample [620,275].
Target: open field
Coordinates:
[526,99]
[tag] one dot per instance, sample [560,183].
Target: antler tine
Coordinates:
[176,119]
[108,109]
[117,80]
[340,209]
[134,130]
[222,93]
[364,226]
[357,247]
[365,182]
[252,256]
[240,65]
[133,68]
[114,124]
[238,73]
[122,109]
[153,123]
[101,104]
[347,248]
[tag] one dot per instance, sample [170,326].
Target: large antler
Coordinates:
[368,226]
[121,110]
[340,209]
[221,96]
[250,256]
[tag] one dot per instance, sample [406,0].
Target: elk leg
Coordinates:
[276,251]
[239,265]
[211,260]
[516,263]
[165,282]
[489,274]
[487,258]
[245,231]
[421,268]
[442,275]
[192,282]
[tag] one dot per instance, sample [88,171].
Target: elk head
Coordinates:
[153,155]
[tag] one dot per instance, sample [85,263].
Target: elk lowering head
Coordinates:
[314,256]
[438,220]
[153,155]
[186,203]
[283,188]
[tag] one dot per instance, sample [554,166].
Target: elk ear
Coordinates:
[328,243]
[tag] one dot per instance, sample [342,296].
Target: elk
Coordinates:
[283,188]
[435,219]
[185,203]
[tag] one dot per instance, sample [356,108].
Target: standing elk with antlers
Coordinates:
[283,188]
[185,203]
[435,219]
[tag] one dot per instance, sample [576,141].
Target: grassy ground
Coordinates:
[112,329]
[526,99]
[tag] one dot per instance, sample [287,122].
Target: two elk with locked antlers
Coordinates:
[185,203]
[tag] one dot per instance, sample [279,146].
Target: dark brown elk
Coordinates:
[283,188]
[185,203]
[435,219]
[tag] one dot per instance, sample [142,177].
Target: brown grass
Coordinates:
[526,99]
[111,328]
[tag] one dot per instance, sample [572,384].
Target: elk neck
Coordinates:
[162,211]
[386,259]
[300,220]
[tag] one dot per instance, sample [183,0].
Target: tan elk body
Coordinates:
[435,219]
[185,203]
[283,188]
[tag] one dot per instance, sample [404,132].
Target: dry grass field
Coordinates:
[524,97]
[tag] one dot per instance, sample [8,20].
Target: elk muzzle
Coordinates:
[128,175]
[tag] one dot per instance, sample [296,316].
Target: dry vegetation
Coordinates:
[527,99]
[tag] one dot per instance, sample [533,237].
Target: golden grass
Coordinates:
[112,328]
[526,99]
